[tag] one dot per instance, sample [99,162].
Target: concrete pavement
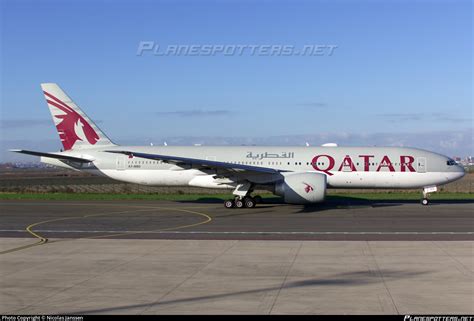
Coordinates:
[136,276]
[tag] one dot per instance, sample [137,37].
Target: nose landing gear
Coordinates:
[426,191]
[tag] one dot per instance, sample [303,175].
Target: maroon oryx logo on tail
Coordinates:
[308,188]
[72,126]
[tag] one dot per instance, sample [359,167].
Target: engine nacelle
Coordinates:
[302,188]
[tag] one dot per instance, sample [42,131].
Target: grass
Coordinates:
[399,196]
[108,196]
[379,196]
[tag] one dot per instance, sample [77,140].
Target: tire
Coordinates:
[425,201]
[229,204]
[239,203]
[249,202]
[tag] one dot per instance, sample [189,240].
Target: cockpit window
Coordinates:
[451,162]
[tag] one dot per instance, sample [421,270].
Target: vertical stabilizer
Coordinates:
[75,129]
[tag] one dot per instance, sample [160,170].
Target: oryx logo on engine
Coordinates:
[308,188]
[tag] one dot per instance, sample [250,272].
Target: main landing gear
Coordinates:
[426,192]
[242,197]
[247,202]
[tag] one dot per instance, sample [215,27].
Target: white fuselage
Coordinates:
[345,167]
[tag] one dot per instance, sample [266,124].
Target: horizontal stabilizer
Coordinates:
[51,155]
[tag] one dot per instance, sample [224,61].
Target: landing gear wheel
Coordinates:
[258,199]
[229,203]
[239,203]
[426,192]
[249,202]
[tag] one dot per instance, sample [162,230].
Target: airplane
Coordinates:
[301,175]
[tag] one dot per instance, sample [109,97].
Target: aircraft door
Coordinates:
[120,162]
[421,164]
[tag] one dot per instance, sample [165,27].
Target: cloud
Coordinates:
[450,118]
[312,104]
[20,123]
[396,118]
[451,143]
[196,113]
[431,117]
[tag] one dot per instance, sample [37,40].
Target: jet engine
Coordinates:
[302,188]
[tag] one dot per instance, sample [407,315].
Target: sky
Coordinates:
[399,72]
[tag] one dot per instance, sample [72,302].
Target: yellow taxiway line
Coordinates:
[43,240]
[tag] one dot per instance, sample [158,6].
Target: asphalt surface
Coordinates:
[157,257]
[207,219]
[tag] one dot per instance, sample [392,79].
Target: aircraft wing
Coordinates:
[52,155]
[200,162]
